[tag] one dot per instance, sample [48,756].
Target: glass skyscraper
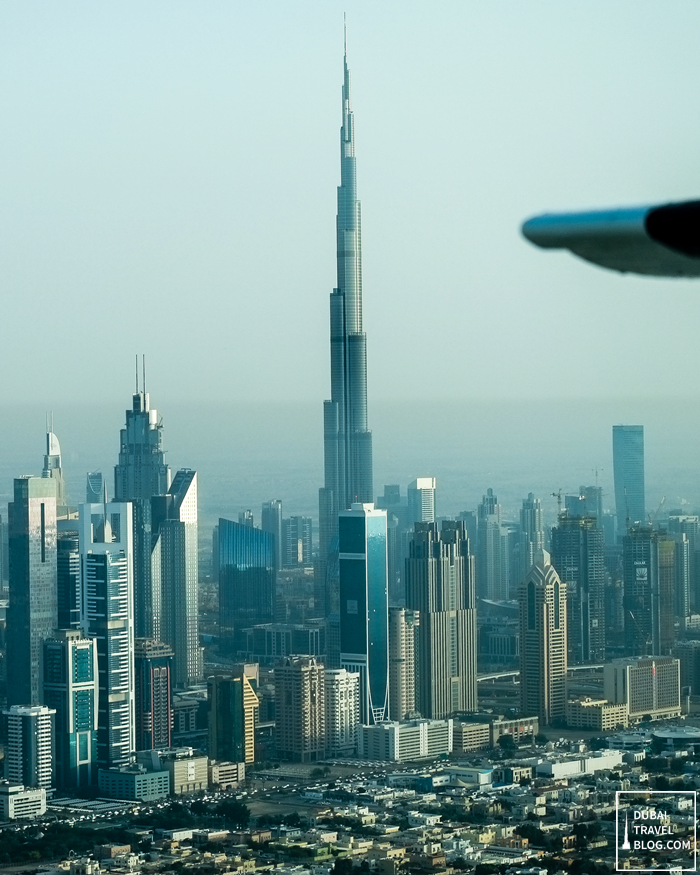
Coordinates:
[347,440]
[246,580]
[364,606]
[628,474]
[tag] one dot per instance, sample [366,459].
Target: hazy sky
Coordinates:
[167,185]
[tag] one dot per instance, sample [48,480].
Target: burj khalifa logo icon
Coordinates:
[626,843]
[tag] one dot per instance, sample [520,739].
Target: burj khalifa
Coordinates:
[347,442]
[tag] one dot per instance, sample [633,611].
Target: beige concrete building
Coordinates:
[403,629]
[596,714]
[649,686]
[470,737]
[300,709]
[543,658]
[342,711]
[226,775]
[189,772]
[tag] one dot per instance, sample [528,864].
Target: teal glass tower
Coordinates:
[347,441]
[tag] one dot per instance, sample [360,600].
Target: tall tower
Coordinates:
[421,500]
[153,694]
[578,554]
[403,633]
[364,606]
[543,642]
[492,551]
[33,612]
[628,474]
[649,599]
[106,568]
[231,707]
[440,586]
[347,442]
[300,709]
[531,533]
[174,574]
[29,750]
[141,473]
[52,466]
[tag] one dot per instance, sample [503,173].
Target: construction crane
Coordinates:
[557,495]
[652,519]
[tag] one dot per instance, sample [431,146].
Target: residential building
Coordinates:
[628,473]
[68,580]
[153,691]
[342,702]
[175,551]
[578,555]
[404,742]
[364,609]
[596,714]
[543,660]
[403,633]
[297,545]
[421,500]
[106,562]
[470,737]
[33,612]
[246,580]
[29,751]
[270,641]
[493,579]
[232,705]
[440,586]
[347,441]
[300,709]
[688,654]
[71,691]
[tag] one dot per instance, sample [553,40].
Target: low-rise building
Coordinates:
[597,714]
[18,801]
[470,737]
[403,742]
[134,782]
[226,775]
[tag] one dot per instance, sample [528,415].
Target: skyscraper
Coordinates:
[421,500]
[403,633]
[174,574]
[231,706]
[153,694]
[364,607]
[296,541]
[342,711]
[347,441]
[543,642]
[578,554]
[94,488]
[300,709]
[628,473]
[440,586]
[271,521]
[53,468]
[492,551]
[649,599]
[106,564]
[33,612]
[246,580]
[30,746]
[531,533]
[71,689]
[141,473]
[68,580]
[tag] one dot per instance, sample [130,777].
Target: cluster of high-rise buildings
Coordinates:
[333,648]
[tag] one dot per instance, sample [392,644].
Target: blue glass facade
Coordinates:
[246,579]
[364,606]
[628,471]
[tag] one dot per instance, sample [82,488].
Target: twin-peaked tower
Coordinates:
[347,442]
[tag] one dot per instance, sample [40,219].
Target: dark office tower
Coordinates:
[578,555]
[649,591]
[683,524]
[94,488]
[347,442]
[531,534]
[543,643]
[53,468]
[246,580]
[68,580]
[628,471]
[492,551]
[398,535]
[364,606]
[232,703]
[440,586]
[71,690]
[33,612]
[296,541]
[141,473]
[153,694]
[175,574]
[271,521]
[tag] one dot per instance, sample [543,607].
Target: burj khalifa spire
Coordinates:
[347,442]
